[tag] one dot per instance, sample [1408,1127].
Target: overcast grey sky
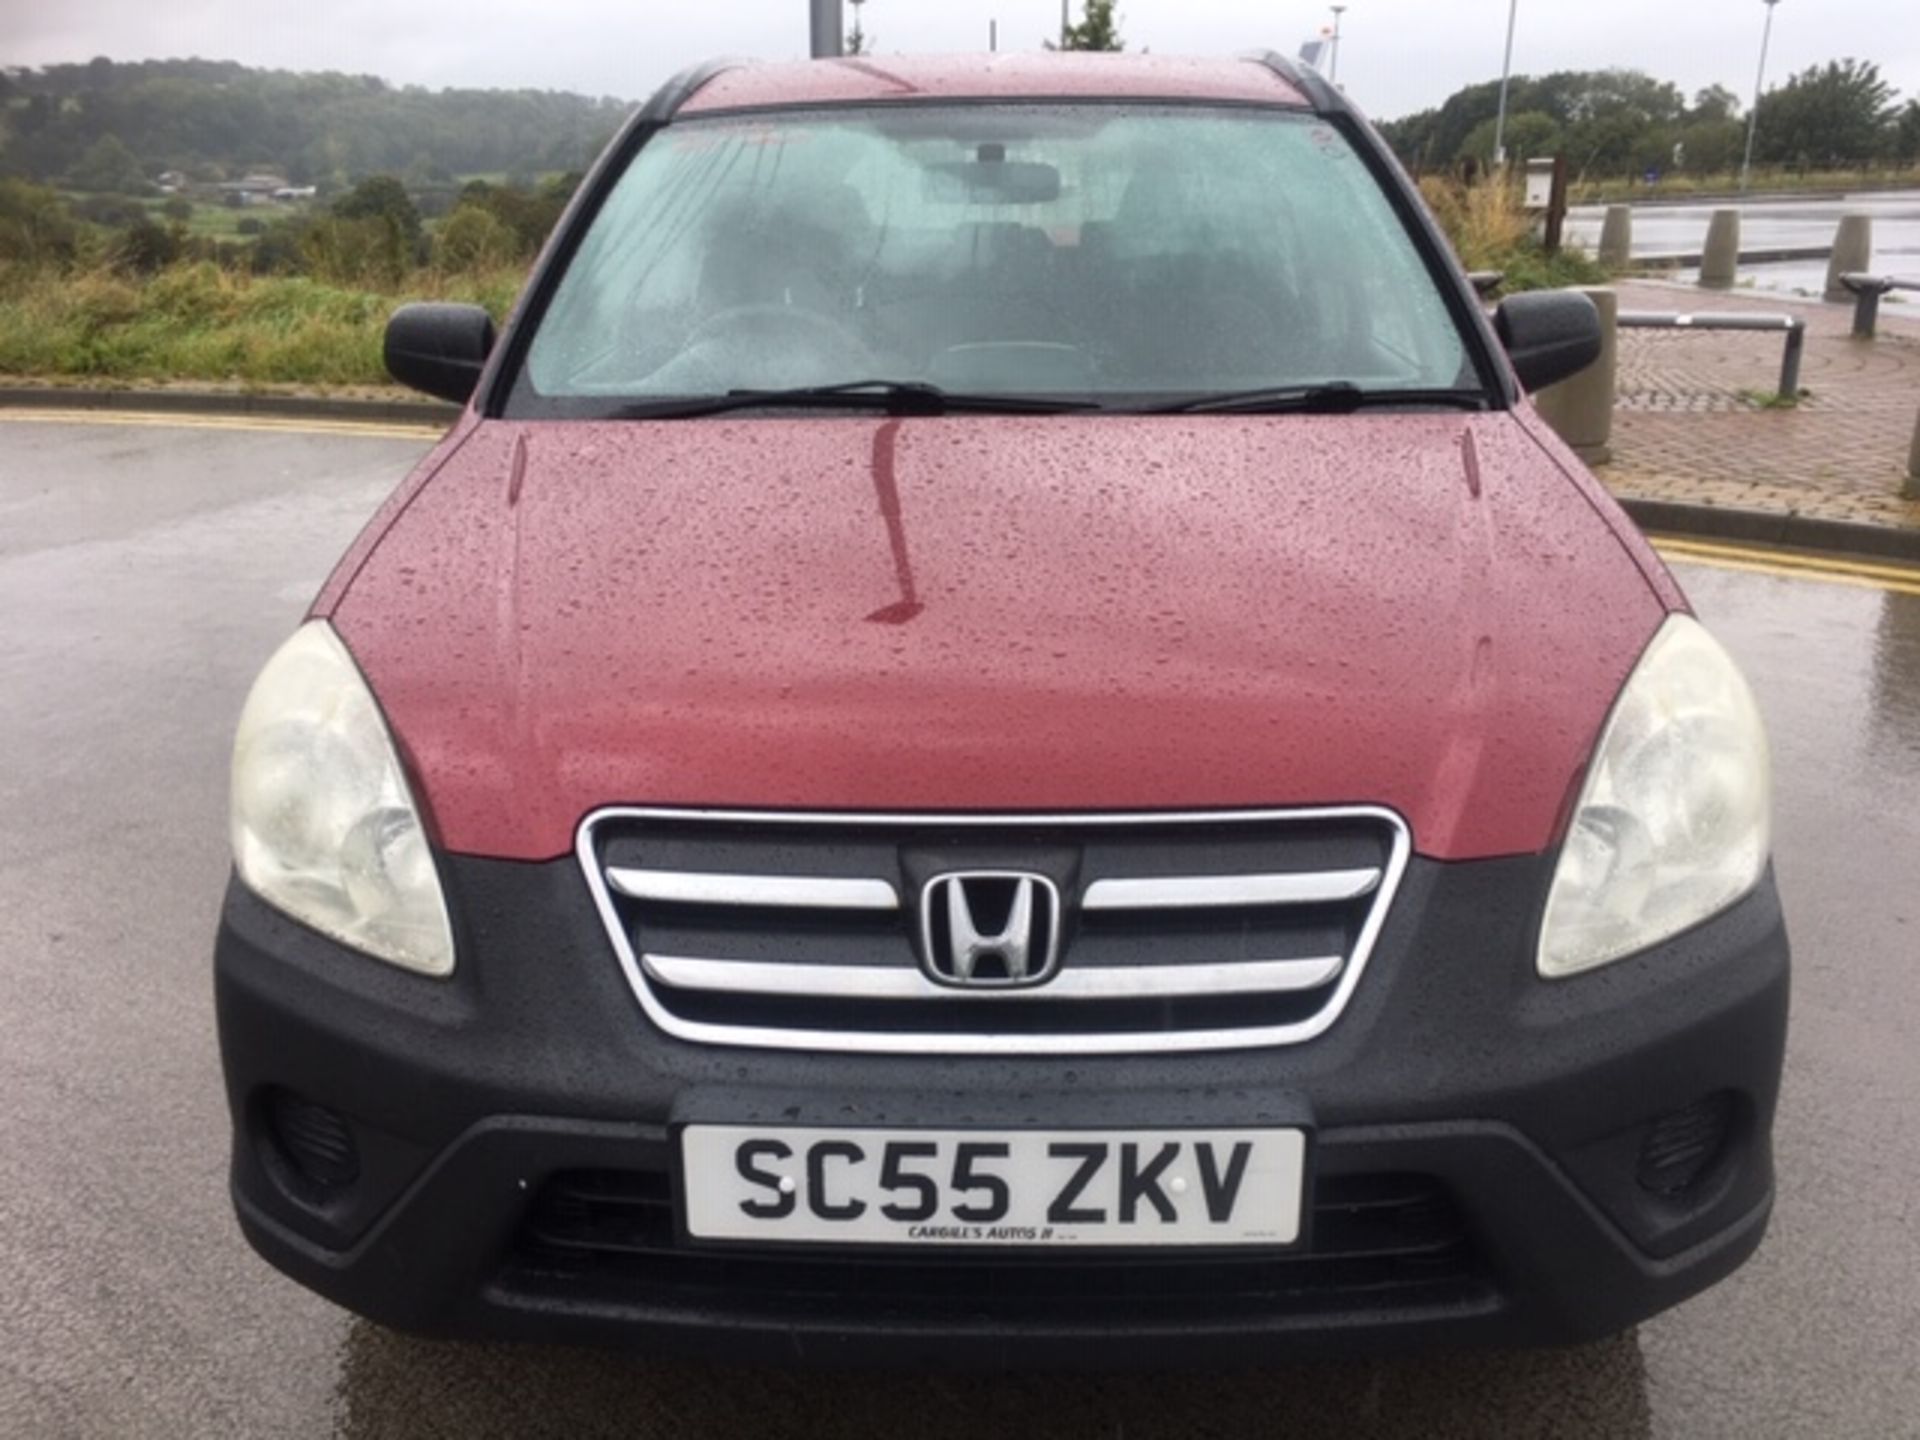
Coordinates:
[1396,55]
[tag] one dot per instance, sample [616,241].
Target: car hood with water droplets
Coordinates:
[999,614]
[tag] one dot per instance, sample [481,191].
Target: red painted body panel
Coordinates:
[390,510]
[1004,77]
[1055,613]
[1637,545]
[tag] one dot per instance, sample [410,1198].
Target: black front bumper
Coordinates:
[1484,1163]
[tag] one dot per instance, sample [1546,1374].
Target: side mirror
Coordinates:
[1549,334]
[439,349]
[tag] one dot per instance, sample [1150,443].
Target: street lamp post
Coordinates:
[1333,61]
[827,25]
[1753,120]
[1506,71]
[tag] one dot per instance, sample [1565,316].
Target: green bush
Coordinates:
[278,249]
[365,251]
[146,248]
[381,197]
[1531,268]
[35,227]
[473,239]
[110,210]
[529,211]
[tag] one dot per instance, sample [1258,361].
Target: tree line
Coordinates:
[1611,123]
[369,236]
[107,124]
[114,126]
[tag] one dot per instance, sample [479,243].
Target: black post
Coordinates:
[1866,311]
[1790,359]
[1556,206]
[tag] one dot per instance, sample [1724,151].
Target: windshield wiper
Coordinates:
[1338,397]
[895,397]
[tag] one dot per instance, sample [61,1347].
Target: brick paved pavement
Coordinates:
[1689,426]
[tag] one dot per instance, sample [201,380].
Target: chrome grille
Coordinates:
[1206,931]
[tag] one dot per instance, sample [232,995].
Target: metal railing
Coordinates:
[1867,290]
[1792,326]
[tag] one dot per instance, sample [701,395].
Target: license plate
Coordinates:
[993,1188]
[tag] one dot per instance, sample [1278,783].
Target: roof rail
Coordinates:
[1309,82]
[665,102]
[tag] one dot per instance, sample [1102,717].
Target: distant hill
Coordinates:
[216,120]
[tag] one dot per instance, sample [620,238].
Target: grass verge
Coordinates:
[1491,231]
[200,322]
[1726,185]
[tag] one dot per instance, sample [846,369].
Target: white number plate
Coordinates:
[973,1187]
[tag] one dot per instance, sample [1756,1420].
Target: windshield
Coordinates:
[1120,254]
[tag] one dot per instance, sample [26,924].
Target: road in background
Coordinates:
[1772,224]
[145,574]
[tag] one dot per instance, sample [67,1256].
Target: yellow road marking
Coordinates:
[1779,573]
[1832,564]
[1860,574]
[267,424]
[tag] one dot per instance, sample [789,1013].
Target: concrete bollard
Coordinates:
[1911,490]
[1580,408]
[1720,260]
[1616,237]
[1852,253]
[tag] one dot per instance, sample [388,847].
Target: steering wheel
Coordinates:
[759,318]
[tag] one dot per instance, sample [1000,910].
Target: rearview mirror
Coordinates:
[1549,335]
[992,181]
[439,349]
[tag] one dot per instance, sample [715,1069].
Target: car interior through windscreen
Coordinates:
[1076,250]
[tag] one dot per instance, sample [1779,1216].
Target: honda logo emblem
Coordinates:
[990,929]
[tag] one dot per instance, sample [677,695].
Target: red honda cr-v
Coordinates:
[998,738]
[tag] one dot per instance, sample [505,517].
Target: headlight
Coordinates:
[1674,821]
[323,826]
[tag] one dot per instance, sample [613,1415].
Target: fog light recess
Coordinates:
[315,1142]
[1683,1145]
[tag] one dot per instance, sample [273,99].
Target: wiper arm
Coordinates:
[1338,397]
[896,397]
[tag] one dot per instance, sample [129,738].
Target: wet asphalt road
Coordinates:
[144,575]
[1778,223]
[1769,223]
